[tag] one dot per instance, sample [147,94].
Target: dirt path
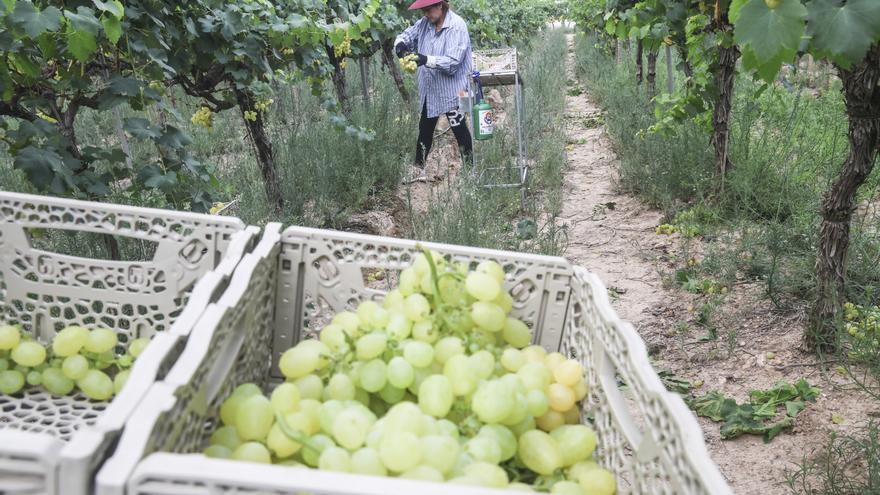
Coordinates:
[610,233]
[613,234]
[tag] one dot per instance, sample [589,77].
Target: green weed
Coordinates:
[847,464]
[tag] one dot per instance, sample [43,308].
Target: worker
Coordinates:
[442,46]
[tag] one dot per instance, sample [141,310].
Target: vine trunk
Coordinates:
[862,99]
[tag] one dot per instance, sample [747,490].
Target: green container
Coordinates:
[484,121]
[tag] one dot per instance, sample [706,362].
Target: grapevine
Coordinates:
[91,65]
[848,35]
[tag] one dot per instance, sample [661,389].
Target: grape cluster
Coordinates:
[217,206]
[203,117]
[250,115]
[436,383]
[408,63]
[863,326]
[77,358]
[263,105]
[343,49]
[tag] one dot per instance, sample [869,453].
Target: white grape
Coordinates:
[10,336]
[252,452]
[447,347]
[416,307]
[443,452]
[350,428]
[400,451]
[482,286]
[367,461]
[400,372]
[436,396]
[335,459]
[419,354]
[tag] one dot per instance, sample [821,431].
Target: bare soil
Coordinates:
[613,234]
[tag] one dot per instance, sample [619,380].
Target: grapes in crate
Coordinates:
[436,383]
[77,359]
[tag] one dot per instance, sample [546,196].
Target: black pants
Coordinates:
[458,122]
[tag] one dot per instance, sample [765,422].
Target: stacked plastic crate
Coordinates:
[54,445]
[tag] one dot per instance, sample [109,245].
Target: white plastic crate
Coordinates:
[292,281]
[497,67]
[53,445]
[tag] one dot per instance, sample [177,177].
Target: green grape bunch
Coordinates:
[436,382]
[343,49]
[203,117]
[263,105]
[77,358]
[408,63]
[862,324]
[216,208]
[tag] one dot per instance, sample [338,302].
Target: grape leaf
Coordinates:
[755,417]
[112,28]
[713,405]
[793,407]
[112,155]
[231,24]
[48,45]
[768,70]
[82,45]
[783,393]
[40,166]
[84,20]
[768,32]
[764,410]
[140,128]
[842,31]
[114,8]
[153,176]
[125,86]
[94,182]
[735,7]
[805,391]
[174,138]
[25,65]
[610,26]
[6,84]
[34,22]
[741,423]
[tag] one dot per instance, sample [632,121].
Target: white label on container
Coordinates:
[486,122]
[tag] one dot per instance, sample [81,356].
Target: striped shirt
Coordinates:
[449,61]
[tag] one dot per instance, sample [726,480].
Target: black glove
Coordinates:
[401,50]
[421,60]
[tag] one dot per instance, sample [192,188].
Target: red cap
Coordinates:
[420,4]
